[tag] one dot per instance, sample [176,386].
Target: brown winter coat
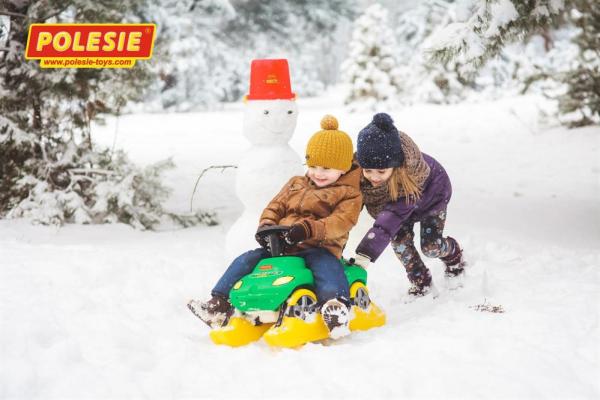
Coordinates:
[330,211]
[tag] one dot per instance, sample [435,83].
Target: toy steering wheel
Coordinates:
[274,237]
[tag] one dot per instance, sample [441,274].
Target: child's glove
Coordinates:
[261,241]
[298,233]
[360,260]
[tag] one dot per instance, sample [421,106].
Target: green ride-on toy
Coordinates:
[277,301]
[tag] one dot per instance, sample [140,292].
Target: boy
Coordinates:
[321,208]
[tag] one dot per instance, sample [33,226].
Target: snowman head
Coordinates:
[268,122]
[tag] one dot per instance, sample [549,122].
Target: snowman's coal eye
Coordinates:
[266,112]
[290,112]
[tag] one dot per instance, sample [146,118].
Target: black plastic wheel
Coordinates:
[305,306]
[362,299]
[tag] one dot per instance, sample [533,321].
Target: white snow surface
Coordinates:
[98,312]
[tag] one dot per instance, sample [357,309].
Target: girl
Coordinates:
[401,186]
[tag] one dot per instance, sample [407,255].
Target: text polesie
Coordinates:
[114,41]
[96,41]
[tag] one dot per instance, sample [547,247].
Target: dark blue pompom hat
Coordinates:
[378,145]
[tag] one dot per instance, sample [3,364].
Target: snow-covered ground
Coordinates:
[98,312]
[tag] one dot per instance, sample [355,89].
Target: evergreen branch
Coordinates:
[75,179]
[13,14]
[222,167]
[92,171]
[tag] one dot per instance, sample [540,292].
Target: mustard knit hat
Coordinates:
[330,148]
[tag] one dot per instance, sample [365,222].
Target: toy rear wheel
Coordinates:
[302,304]
[360,295]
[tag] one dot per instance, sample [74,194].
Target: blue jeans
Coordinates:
[328,272]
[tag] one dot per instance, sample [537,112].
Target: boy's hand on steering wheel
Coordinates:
[261,241]
[298,233]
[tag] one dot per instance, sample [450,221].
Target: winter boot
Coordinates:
[420,283]
[214,312]
[336,316]
[416,290]
[455,265]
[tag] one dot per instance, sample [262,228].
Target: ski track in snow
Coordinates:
[99,312]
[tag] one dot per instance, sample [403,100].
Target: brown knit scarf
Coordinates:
[375,198]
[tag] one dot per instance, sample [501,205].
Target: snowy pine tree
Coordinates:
[371,69]
[209,46]
[4,26]
[413,26]
[580,105]
[51,171]
[424,81]
[191,57]
[482,27]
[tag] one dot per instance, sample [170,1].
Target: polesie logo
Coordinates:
[90,45]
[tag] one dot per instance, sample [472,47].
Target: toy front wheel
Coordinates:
[366,313]
[302,304]
[360,295]
[300,324]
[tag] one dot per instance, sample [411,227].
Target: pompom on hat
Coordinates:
[329,147]
[378,145]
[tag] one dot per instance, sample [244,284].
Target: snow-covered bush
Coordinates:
[16,152]
[70,184]
[371,71]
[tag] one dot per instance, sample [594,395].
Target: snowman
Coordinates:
[270,118]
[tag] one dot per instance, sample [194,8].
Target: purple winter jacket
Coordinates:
[437,191]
